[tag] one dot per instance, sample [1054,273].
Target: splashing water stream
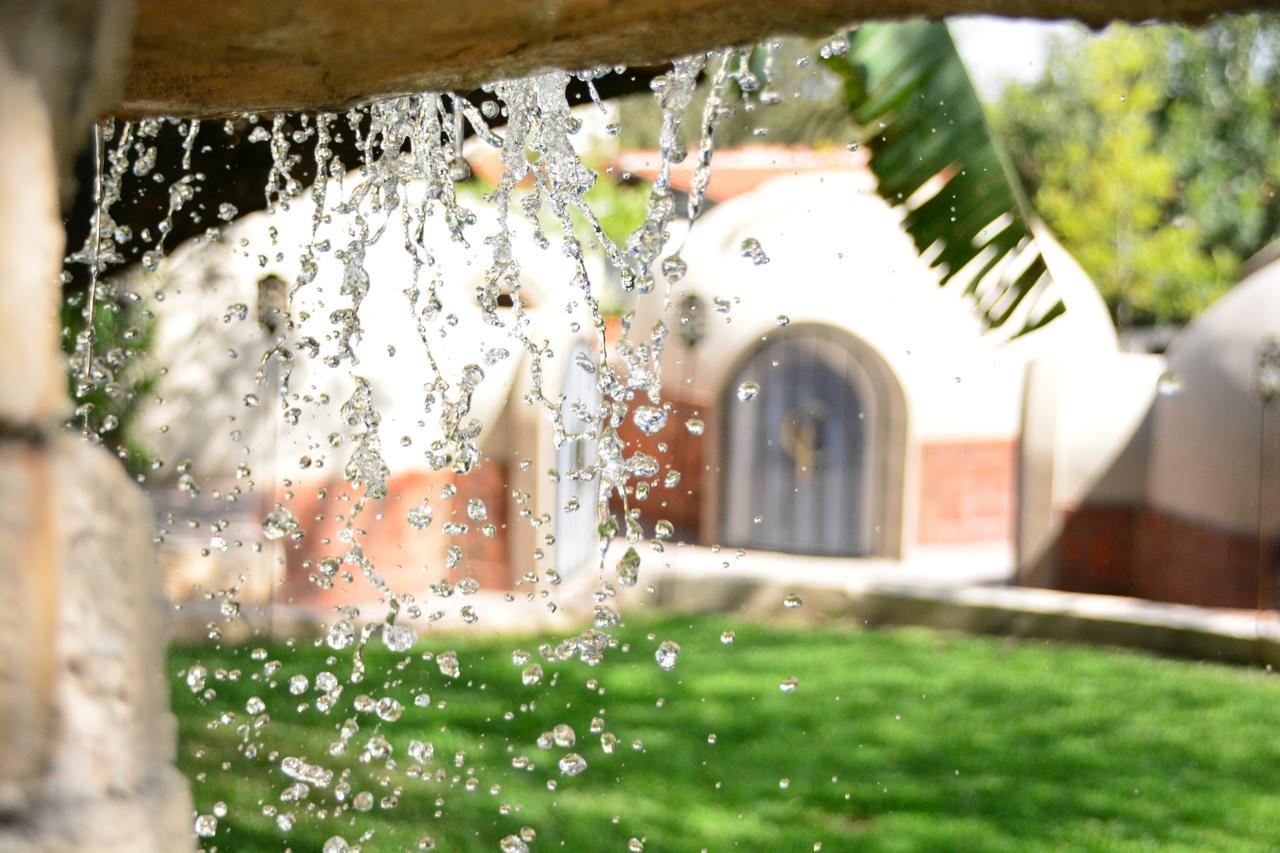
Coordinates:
[406,191]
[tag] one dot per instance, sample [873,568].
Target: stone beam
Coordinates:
[192,57]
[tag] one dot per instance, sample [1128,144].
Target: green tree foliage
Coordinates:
[934,153]
[107,406]
[1154,152]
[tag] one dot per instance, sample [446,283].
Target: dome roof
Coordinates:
[1204,459]
[838,256]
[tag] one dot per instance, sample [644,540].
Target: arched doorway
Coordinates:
[577,488]
[798,460]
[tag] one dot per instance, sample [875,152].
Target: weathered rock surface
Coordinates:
[92,746]
[200,58]
[87,742]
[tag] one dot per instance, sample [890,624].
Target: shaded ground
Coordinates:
[894,740]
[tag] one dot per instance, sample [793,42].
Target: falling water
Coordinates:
[406,192]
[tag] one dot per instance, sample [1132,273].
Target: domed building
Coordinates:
[851,406]
[826,398]
[1165,482]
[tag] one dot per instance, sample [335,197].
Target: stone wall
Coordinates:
[86,738]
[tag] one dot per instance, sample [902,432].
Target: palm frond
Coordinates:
[934,153]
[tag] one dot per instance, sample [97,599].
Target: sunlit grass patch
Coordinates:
[894,740]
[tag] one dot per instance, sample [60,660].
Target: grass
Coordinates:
[896,739]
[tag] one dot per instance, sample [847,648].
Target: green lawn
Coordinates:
[894,740]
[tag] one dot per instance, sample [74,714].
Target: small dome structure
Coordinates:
[1208,419]
[887,415]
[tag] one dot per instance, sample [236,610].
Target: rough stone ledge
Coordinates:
[201,58]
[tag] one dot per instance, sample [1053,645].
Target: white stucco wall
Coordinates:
[205,384]
[1086,439]
[1205,454]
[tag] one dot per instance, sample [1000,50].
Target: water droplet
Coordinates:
[420,516]
[476,510]
[748,390]
[1169,384]
[667,654]
[674,268]
[531,675]
[789,685]
[792,601]
[303,771]
[650,420]
[389,709]
[341,635]
[694,426]
[206,826]
[573,764]
[279,523]
[628,568]
[643,465]
[196,676]
[399,638]
[421,750]
[784,320]
[563,735]
[447,662]
[727,637]
[752,250]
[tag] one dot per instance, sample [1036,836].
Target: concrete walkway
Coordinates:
[956,589]
[962,589]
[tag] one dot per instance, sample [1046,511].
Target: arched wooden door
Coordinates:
[796,457]
[576,528]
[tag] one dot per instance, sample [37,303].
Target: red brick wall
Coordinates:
[399,552]
[1151,554]
[1095,552]
[967,492]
